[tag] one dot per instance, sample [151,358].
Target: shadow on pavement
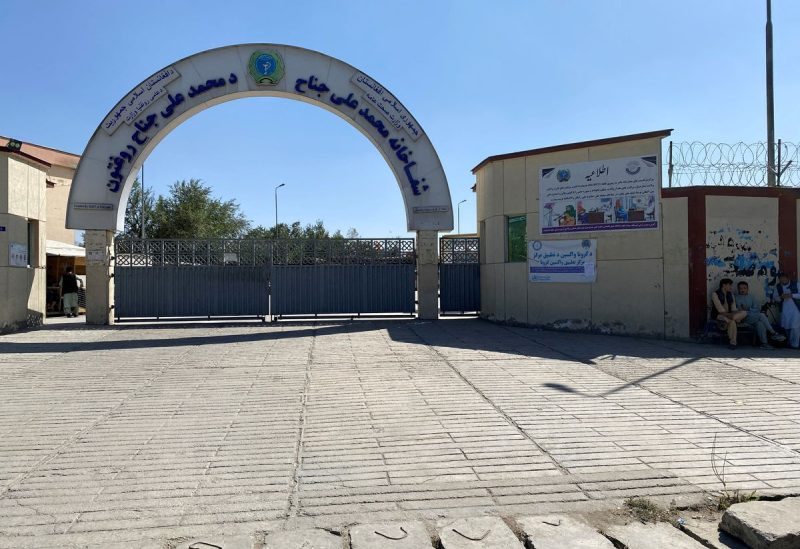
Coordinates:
[495,340]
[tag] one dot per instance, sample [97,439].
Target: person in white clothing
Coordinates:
[786,293]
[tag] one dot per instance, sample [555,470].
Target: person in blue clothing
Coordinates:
[786,293]
[755,318]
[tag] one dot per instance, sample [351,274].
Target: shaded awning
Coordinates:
[64,250]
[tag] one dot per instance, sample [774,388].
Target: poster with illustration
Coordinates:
[562,260]
[606,195]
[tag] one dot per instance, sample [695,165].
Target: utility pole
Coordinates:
[771,168]
[276,208]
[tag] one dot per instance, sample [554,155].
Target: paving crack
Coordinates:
[293,505]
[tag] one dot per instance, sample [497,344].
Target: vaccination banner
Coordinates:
[562,260]
[607,195]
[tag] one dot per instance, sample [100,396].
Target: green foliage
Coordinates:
[133,212]
[189,211]
[296,230]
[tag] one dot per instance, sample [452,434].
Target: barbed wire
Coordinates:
[731,164]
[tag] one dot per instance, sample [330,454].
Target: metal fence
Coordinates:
[733,164]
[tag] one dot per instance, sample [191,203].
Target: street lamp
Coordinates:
[459,215]
[276,208]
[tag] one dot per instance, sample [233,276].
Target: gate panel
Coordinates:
[343,276]
[459,275]
[191,278]
[342,289]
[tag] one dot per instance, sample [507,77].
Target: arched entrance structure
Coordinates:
[137,123]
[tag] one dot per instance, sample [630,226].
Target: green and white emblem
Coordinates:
[266,67]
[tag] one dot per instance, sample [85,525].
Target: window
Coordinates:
[33,248]
[516,228]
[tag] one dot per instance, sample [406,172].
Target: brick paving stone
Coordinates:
[303,539]
[171,428]
[561,532]
[708,533]
[477,533]
[391,535]
[648,536]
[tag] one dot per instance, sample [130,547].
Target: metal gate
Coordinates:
[220,278]
[343,276]
[191,278]
[459,275]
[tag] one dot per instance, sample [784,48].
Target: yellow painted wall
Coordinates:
[22,198]
[57,198]
[629,294]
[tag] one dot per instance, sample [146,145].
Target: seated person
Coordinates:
[724,310]
[755,318]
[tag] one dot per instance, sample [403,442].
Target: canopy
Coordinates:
[64,250]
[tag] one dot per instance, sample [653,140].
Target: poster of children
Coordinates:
[607,195]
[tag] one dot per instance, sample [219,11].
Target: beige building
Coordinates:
[35,246]
[655,280]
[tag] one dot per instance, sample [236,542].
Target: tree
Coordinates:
[295,230]
[133,212]
[189,211]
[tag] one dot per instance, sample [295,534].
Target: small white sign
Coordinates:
[18,255]
[562,260]
[95,256]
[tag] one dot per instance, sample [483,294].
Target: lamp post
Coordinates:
[459,215]
[276,208]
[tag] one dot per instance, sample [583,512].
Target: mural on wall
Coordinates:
[748,254]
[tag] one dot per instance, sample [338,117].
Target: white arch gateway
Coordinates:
[138,122]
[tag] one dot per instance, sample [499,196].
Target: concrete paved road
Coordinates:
[154,432]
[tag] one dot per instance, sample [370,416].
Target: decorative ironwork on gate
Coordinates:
[350,251]
[191,252]
[459,250]
[254,252]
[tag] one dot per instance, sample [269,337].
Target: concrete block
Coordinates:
[303,539]
[390,535]
[477,533]
[709,534]
[765,524]
[561,532]
[649,536]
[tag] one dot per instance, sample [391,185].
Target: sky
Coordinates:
[482,78]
